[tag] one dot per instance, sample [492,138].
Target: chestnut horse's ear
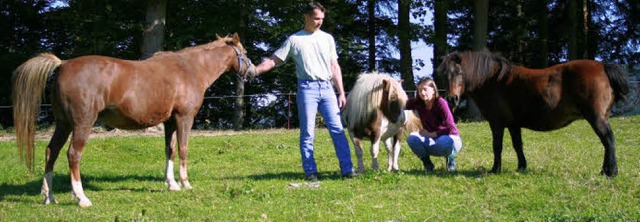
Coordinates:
[217,36]
[236,39]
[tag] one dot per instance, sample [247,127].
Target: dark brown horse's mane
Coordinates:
[478,67]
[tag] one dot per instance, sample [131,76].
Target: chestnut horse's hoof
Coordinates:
[84,203]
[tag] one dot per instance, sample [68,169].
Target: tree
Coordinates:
[153,34]
[406,61]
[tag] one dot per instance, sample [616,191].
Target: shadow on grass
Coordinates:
[62,183]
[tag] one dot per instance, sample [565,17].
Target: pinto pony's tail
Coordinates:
[28,84]
[618,80]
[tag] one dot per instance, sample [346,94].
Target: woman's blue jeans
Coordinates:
[445,145]
[314,96]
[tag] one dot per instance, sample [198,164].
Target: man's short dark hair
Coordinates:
[313,6]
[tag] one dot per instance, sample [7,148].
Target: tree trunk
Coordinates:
[153,35]
[481,19]
[572,14]
[543,22]
[404,32]
[440,45]
[480,25]
[371,11]
[238,120]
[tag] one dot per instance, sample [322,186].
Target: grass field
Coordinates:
[256,176]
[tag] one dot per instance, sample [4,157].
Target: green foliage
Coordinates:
[256,176]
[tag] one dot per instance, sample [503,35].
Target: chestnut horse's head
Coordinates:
[245,70]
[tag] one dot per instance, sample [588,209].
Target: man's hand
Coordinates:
[342,101]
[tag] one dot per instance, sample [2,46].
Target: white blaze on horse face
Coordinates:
[169,179]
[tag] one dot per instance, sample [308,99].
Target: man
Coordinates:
[316,62]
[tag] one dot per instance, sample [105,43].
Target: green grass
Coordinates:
[249,177]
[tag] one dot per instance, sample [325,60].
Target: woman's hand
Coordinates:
[425,133]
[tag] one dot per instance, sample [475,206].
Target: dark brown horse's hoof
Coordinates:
[609,173]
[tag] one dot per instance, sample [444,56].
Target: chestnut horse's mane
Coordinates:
[221,41]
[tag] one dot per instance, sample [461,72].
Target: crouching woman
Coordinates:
[439,136]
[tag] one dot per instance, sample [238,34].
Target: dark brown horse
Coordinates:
[511,96]
[166,88]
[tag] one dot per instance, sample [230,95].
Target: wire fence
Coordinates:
[275,110]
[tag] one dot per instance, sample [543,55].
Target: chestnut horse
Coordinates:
[375,110]
[511,96]
[166,88]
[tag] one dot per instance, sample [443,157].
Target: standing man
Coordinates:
[316,60]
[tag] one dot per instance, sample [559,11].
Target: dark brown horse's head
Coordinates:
[245,70]
[465,71]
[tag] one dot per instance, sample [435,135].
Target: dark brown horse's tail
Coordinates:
[618,80]
[29,81]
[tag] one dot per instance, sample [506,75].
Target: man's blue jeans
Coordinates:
[314,96]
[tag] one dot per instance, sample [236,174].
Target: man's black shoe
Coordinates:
[313,177]
[349,175]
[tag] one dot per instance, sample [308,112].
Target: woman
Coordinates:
[439,136]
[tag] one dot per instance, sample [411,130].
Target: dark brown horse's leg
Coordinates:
[74,154]
[170,153]
[59,138]
[516,140]
[497,132]
[603,130]
[184,124]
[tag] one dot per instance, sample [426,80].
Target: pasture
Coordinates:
[256,176]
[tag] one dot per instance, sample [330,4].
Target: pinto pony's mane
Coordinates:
[476,67]
[365,100]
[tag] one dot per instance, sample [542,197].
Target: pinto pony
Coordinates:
[166,88]
[511,96]
[375,110]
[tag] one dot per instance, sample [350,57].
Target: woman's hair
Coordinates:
[429,81]
[313,6]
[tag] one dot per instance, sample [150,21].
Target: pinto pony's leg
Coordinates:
[375,150]
[516,140]
[60,136]
[74,154]
[170,152]
[357,146]
[497,132]
[393,148]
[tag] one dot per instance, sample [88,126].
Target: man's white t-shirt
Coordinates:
[311,52]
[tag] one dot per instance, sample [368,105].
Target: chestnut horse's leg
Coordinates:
[497,132]
[59,138]
[184,124]
[74,154]
[516,140]
[170,152]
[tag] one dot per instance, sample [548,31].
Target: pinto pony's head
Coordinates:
[373,93]
[466,71]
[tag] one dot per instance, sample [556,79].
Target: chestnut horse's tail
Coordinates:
[618,80]
[29,81]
